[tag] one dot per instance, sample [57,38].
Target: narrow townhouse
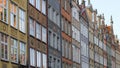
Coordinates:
[66,34]
[54,34]
[37,33]
[84,36]
[76,34]
[13,33]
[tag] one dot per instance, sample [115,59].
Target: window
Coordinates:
[54,16]
[75,34]
[92,17]
[44,34]
[69,29]
[54,42]
[32,2]
[22,53]
[84,49]
[39,59]
[65,5]
[44,7]
[67,48]
[38,31]
[58,43]
[4,46]
[65,26]
[3,10]
[32,26]
[85,65]
[32,57]
[58,20]
[62,47]
[13,15]
[14,50]
[62,22]
[22,25]
[38,4]
[50,38]
[44,60]
[70,51]
[50,12]
[75,13]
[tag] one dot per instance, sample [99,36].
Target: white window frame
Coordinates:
[32,57]
[4,8]
[44,7]
[22,21]
[38,31]
[44,60]
[22,51]
[13,22]
[14,47]
[5,43]
[44,34]
[39,62]
[31,27]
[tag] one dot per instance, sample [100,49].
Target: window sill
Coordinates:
[14,62]
[4,60]
[22,32]
[4,22]
[13,27]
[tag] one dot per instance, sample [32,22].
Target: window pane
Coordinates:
[3,10]
[38,31]
[4,46]
[1,13]
[38,59]
[32,2]
[22,20]
[38,4]
[32,57]
[14,50]
[22,53]
[13,16]
[44,34]
[44,7]
[44,60]
[32,27]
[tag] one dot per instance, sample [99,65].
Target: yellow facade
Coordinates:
[12,32]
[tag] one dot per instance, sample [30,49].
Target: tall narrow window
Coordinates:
[22,25]
[62,47]
[4,46]
[13,15]
[44,34]
[50,38]
[32,27]
[62,22]
[14,50]
[39,59]
[22,53]
[65,6]
[54,40]
[58,43]
[38,31]
[44,60]
[92,17]
[44,7]
[3,10]
[38,4]
[32,57]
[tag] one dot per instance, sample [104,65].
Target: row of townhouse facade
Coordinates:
[55,34]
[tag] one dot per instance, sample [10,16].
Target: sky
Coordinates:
[108,7]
